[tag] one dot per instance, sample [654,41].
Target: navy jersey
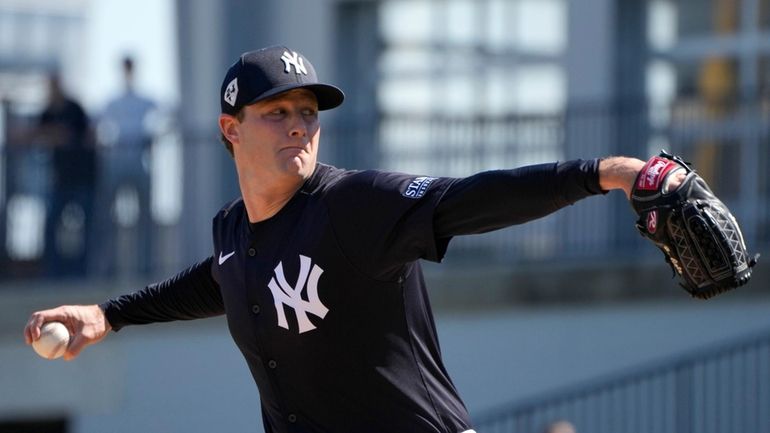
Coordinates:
[326,299]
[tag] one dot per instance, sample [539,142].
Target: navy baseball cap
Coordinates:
[264,73]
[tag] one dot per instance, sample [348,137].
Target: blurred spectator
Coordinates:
[125,135]
[63,127]
[560,427]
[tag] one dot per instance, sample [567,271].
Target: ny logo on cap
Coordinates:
[295,60]
[231,92]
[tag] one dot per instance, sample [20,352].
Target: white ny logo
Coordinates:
[295,60]
[286,295]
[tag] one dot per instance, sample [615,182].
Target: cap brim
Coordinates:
[328,96]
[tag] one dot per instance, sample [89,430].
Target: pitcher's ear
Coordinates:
[228,127]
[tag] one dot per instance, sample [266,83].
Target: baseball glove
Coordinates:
[696,232]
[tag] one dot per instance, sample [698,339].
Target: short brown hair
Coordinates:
[229,146]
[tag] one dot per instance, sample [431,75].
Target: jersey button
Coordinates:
[272,364]
[292,418]
[255,309]
[252,252]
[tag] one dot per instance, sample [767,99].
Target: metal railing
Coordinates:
[720,389]
[731,151]
[103,213]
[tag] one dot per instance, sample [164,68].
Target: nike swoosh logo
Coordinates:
[223,259]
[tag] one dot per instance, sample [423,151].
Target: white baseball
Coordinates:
[53,341]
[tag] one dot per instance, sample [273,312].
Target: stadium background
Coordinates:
[573,314]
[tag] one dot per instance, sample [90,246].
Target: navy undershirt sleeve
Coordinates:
[495,199]
[190,294]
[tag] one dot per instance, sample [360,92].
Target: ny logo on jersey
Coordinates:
[295,60]
[284,295]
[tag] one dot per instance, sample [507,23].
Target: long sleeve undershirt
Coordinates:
[495,199]
[190,294]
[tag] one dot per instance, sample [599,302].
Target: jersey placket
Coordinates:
[257,271]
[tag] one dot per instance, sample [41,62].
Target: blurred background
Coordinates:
[111,170]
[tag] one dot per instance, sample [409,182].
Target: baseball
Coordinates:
[53,341]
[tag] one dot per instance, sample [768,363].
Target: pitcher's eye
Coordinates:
[276,113]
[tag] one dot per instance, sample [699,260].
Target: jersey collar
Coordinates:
[320,172]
